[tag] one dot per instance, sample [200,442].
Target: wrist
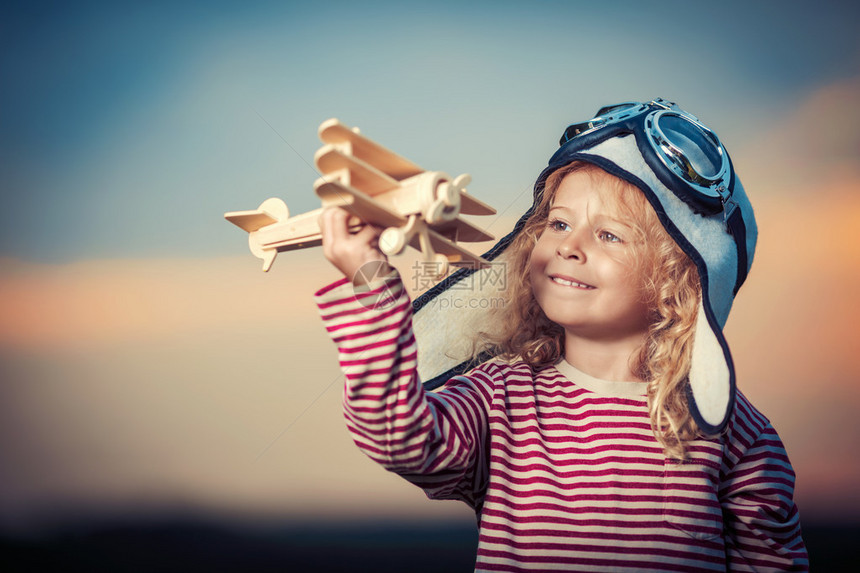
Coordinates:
[369,271]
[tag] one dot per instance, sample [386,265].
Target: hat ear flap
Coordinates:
[710,394]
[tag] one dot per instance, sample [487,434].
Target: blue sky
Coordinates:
[127,130]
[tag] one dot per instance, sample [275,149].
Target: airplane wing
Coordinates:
[358,174]
[456,254]
[336,194]
[334,132]
[250,221]
[462,230]
[471,206]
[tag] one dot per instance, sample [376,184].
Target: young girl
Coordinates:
[605,433]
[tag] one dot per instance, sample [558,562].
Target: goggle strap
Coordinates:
[735,226]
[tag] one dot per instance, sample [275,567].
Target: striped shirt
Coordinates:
[562,470]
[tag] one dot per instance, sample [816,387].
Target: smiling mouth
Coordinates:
[570,283]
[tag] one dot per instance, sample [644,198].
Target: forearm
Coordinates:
[386,408]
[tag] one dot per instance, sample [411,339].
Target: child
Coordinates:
[605,433]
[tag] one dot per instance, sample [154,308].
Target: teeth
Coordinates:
[569,283]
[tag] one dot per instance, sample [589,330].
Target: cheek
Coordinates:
[637,294]
[535,268]
[637,276]
[535,258]
[629,278]
[542,251]
[532,271]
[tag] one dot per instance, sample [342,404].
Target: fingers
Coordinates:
[346,250]
[332,223]
[367,234]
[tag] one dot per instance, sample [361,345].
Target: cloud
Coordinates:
[107,301]
[97,302]
[166,383]
[800,300]
[817,144]
[793,328]
[204,385]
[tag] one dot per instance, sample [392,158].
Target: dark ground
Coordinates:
[185,545]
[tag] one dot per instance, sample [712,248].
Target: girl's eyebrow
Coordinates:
[600,218]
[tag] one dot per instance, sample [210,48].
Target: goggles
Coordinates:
[686,157]
[690,160]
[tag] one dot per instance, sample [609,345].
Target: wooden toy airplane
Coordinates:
[416,207]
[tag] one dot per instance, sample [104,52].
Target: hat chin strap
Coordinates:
[709,376]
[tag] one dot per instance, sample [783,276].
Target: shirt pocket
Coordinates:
[690,499]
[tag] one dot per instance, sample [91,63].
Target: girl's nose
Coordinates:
[571,246]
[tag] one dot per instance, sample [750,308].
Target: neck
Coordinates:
[604,359]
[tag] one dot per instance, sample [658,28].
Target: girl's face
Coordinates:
[581,269]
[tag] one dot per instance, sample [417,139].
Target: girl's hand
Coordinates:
[350,252]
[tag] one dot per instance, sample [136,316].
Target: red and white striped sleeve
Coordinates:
[434,439]
[762,524]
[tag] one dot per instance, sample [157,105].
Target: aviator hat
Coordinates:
[687,176]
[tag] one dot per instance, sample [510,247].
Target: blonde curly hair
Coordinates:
[670,288]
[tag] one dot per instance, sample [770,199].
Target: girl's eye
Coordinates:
[609,237]
[557,225]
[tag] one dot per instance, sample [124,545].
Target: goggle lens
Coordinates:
[693,149]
